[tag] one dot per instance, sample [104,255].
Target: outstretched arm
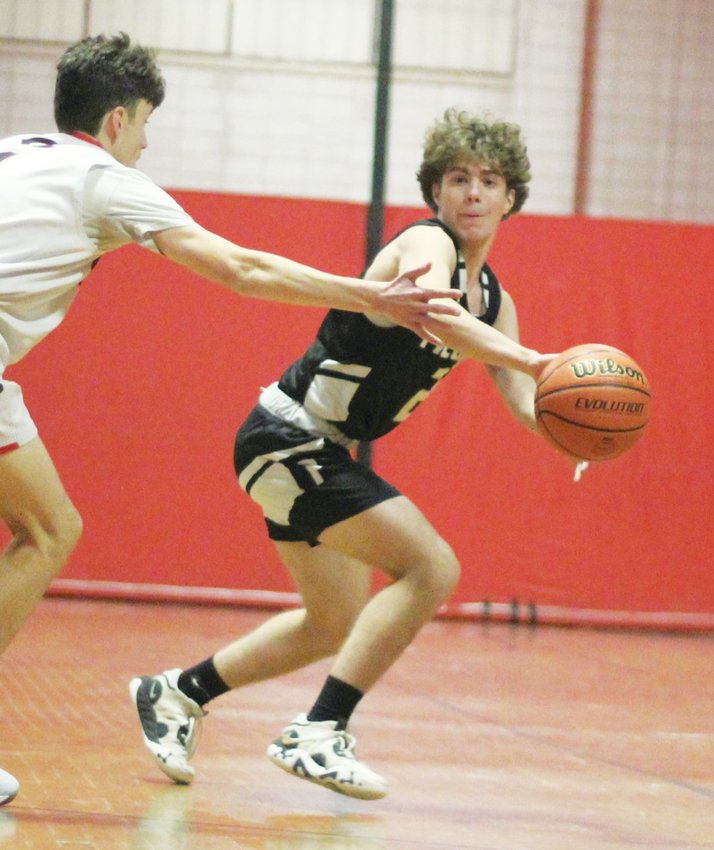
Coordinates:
[516,388]
[513,367]
[258,274]
[475,339]
[456,327]
[518,391]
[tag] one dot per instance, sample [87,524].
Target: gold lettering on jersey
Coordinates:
[442,351]
[419,396]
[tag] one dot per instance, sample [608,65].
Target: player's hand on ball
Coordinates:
[539,362]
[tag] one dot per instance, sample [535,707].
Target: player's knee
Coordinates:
[449,571]
[55,537]
[69,532]
[441,571]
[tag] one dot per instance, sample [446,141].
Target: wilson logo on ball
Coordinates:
[587,368]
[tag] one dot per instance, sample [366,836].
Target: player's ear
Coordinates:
[510,201]
[114,121]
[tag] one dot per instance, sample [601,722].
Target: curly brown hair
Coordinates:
[497,144]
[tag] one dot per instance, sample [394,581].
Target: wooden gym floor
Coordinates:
[493,737]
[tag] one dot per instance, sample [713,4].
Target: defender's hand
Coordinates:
[406,303]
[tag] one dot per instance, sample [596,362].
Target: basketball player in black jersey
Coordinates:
[332,519]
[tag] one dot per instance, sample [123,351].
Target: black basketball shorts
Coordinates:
[304,483]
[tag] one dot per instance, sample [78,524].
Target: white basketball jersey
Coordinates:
[63,203]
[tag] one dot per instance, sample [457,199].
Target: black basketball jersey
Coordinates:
[365,379]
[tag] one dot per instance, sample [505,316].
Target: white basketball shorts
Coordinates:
[16,425]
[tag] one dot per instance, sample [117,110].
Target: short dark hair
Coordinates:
[99,73]
[497,144]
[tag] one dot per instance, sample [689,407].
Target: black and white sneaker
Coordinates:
[9,786]
[170,721]
[320,752]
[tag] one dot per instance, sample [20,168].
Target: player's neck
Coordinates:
[85,137]
[474,254]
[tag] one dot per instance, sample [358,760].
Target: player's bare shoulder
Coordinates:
[385,265]
[418,245]
[429,240]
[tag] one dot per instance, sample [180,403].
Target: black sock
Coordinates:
[202,682]
[337,701]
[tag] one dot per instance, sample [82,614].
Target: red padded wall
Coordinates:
[635,535]
[139,393]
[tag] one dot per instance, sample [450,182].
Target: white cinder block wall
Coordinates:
[653,139]
[277,97]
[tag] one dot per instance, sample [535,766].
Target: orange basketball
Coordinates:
[592,402]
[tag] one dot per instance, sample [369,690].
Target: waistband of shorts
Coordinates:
[274,400]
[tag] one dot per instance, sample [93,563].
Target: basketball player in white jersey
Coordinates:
[66,198]
[331,519]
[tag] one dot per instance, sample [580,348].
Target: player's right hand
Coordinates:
[406,303]
[538,363]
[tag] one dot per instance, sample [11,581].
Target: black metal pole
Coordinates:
[375,217]
[375,214]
